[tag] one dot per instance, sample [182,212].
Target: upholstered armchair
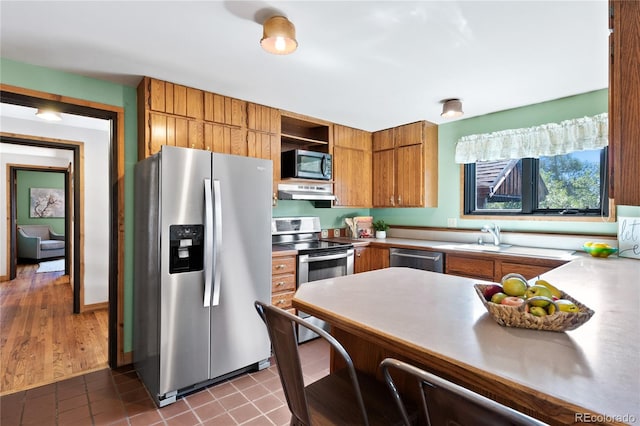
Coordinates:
[39,242]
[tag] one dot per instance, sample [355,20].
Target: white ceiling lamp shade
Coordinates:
[278,36]
[452,108]
[48,114]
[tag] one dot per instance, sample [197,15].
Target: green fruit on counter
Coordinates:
[497,298]
[514,286]
[554,291]
[537,311]
[567,305]
[538,290]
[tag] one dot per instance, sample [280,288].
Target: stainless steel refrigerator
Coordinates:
[202,255]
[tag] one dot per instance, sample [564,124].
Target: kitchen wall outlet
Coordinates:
[452,222]
[336,232]
[325,233]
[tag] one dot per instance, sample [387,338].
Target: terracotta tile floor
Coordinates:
[117,397]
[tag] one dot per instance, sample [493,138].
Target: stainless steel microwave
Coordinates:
[304,164]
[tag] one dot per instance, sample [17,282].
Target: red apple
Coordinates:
[490,290]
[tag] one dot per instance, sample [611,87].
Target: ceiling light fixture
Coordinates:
[278,36]
[452,108]
[49,115]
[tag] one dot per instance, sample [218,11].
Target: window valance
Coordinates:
[545,140]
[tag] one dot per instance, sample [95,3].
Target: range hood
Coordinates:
[310,192]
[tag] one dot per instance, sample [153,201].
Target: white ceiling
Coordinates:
[366,64]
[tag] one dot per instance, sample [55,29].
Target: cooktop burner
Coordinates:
[309,246]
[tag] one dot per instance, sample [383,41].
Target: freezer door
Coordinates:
[184,320]
[242,204]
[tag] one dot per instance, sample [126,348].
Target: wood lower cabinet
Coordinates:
[283,281]
[466,266]
[405,172]
[369,258]
[494,267]
[362,261]
[528,270]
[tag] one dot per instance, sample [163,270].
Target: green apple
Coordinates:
[567,305]
[538,290]
[514,286]
[498,297]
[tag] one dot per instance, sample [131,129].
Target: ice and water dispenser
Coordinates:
[186,249]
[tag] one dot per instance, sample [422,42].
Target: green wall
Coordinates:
[46,80]
[27,179]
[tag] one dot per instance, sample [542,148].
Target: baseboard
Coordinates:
[94,307]
[127,358]
[4,278]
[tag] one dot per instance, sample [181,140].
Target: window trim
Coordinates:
[529,194]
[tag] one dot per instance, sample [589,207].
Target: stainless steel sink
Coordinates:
[482,247]
[516,250]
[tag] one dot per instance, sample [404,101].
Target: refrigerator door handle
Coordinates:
[208,242]
[217,212]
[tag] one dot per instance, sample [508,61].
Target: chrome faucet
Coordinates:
[494,230]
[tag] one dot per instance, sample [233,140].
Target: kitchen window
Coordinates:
[572,184]
[551,169]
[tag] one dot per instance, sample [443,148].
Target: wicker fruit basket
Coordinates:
[511,316]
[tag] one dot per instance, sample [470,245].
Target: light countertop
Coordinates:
[596,367]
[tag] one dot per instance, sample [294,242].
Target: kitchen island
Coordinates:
[436,321]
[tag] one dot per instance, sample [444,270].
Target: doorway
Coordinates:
[39,196]
[18,203]
[115,158]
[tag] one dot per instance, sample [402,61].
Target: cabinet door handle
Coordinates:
[391,201]
[399,200]
[279,283]
[281,302]
[281,266]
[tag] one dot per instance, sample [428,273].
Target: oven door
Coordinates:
[320,266]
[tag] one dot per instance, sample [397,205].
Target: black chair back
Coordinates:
[445,403]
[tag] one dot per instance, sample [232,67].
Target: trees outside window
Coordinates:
[573,183]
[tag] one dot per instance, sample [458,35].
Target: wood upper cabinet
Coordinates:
[175,99]
[225,139]
[624,104]
[267,146]
[352,167]
[170,114]
[263,119]
[384,178]
[225,110]
[405,174]
[383,139]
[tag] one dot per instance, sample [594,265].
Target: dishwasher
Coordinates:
[416,259]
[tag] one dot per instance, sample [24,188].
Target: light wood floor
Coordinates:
[41,340]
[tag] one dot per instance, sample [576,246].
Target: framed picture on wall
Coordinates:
[46,202]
